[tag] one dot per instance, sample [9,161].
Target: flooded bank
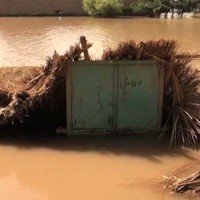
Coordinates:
[87,167]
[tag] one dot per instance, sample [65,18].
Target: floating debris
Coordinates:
[189,186]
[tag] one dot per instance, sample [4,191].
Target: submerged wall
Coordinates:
[43,7]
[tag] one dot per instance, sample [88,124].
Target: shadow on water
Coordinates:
[143,145]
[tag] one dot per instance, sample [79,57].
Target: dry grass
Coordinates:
[184,181]
[188,187]
[162,50]
[12,79]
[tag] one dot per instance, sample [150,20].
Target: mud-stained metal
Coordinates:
[114,96]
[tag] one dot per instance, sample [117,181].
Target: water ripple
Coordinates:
[28,41]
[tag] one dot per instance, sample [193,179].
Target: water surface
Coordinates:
[27,41]
[88,168]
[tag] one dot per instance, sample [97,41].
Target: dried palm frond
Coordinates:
[125,50]
[189,186]
[4,98]
[182,102]
[162,49]
[37,87]
[13,79]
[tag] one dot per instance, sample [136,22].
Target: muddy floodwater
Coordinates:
[87,168]
[27,41]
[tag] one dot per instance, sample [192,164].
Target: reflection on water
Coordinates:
[27,41]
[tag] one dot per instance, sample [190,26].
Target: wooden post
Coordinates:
[84,47]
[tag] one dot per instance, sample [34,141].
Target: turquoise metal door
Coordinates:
[114,96]
[93,96]
[139,96]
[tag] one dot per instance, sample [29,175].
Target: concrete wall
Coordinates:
[43,7]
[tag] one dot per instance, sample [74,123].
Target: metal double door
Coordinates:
[115,96]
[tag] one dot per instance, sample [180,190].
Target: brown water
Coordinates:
[27,41]
[88,168]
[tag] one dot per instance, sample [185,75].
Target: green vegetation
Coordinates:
[151,7]
[103,8]
[155,7]
[143,6]
[186,6]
